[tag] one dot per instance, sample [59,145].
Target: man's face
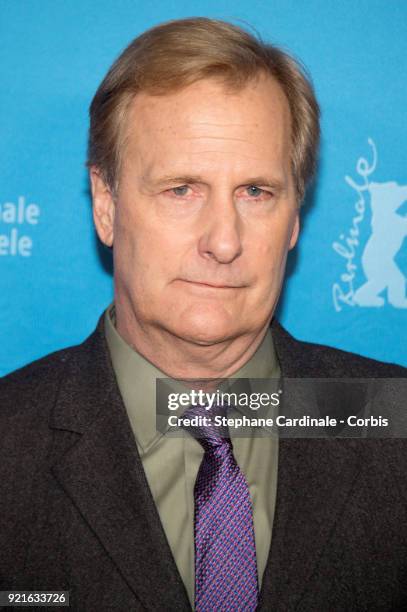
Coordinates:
[205,211]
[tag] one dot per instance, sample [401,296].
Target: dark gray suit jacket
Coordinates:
[77,514]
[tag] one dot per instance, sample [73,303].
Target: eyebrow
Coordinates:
[165,180]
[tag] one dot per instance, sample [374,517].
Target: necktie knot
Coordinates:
[208,426]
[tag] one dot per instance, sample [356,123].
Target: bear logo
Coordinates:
[388,231]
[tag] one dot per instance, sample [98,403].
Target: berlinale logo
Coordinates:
[377,256]
[15,221]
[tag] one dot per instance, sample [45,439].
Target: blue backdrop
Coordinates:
[346,280]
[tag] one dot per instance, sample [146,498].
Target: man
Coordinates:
[202,141]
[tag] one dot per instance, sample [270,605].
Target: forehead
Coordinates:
[208,119]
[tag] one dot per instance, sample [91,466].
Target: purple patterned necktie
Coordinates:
[225,552]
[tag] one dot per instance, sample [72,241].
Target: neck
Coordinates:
[183,359]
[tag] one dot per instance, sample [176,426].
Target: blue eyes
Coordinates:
[251,190]
[254,191]
[180,191]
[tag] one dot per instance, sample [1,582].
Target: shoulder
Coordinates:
[299,358]
[35,386]
[27,394]
[36,370]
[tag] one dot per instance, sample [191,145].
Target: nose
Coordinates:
[221,238]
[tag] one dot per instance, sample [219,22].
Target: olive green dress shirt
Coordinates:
[171,463]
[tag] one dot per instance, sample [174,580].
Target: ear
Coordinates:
[295,231]
[103,206]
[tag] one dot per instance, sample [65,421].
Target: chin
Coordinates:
[206,326]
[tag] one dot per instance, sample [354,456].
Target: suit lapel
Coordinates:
[315,478]
[103,475]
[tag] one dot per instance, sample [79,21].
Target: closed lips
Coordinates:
[214,285]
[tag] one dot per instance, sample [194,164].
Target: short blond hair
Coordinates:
[178,53]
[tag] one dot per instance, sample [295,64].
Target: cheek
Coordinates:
[269,256]
[267,261]
[146,258]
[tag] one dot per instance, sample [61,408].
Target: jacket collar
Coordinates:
[315,479]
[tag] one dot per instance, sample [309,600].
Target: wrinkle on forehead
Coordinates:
[192,128]
[207,137]
[227,124]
